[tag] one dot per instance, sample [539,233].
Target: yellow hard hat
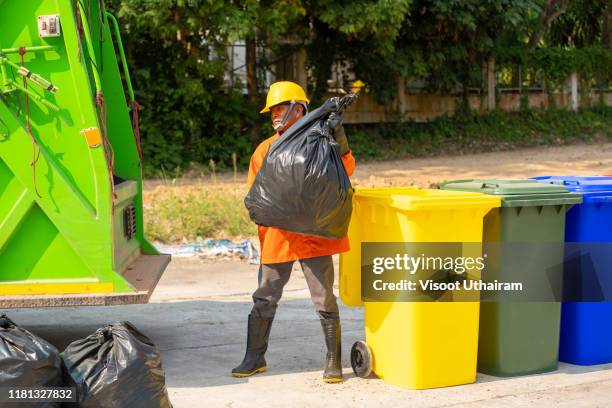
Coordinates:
[284,91]
[358,85]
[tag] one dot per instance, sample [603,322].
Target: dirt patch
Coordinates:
[584,158]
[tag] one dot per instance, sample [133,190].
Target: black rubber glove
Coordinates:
[335,125]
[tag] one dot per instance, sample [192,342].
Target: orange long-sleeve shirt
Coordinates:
[278,245]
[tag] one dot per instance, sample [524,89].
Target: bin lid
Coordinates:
[517,192]
[415,199]
[582,184]
[595,189]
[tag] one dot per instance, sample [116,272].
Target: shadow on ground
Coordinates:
[201,341]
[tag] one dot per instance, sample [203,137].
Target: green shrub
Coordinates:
[479,133]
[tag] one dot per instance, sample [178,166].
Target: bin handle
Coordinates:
[564,182]
[489,184]
[445,183]
[557,182]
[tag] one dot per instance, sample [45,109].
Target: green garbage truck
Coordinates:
[71,219]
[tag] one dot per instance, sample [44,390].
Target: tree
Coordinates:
[262,25]
[177,50]
[550,12]
[362,32]
[442,42]
[177,54]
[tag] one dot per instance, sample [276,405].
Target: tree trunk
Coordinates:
[606,42]
[606,30]
[251,69]
[550,12]
[252,85]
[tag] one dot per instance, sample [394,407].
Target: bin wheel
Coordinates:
[361,359]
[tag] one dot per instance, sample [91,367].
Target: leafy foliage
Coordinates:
[555,64]
[177,51]
[581,25]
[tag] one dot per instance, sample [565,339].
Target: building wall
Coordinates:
[424,107]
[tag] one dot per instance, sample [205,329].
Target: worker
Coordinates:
[287,103]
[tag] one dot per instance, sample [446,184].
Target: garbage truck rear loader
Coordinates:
[71,222]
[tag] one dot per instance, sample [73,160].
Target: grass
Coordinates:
[191,213]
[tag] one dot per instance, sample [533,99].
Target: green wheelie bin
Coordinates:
[526,235]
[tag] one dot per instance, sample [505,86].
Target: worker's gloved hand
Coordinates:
[335,125]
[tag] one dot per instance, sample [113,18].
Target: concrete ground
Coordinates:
[197,317]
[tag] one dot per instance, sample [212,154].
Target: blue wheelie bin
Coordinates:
[586,327]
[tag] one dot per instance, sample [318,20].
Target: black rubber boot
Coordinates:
[257,344]
[333,360]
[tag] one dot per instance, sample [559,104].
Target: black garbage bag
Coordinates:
[26,360]
[302,185]
[116,367]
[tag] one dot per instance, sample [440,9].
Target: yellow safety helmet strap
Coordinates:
[280,126]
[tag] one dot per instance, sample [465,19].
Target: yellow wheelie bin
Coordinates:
[415,345]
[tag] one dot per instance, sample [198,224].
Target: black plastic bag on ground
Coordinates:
[27,360]
[116,367]
[302,185]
